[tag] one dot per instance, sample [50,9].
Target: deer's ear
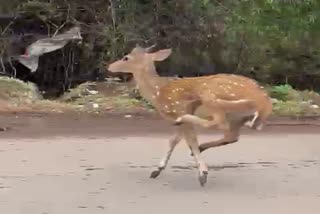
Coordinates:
[161,55]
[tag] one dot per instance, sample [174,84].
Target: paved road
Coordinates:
[73,175]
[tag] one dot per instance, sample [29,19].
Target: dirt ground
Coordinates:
[73,164]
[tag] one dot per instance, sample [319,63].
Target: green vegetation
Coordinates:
[18,92]
[274,42]
[290,102]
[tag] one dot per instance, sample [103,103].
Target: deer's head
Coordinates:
[138,59]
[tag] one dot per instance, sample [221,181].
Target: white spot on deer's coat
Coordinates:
[232,95]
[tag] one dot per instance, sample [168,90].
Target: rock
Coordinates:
[128,116]
[93,92]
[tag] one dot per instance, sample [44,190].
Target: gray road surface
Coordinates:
[261,174]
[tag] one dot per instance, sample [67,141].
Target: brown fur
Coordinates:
[225,98]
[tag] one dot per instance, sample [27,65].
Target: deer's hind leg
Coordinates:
[230,136]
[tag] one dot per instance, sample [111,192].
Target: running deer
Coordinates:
[230,102]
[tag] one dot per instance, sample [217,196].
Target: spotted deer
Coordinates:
[229,102]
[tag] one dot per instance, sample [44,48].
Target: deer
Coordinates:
[229,101]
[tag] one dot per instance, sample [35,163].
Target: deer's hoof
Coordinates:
[155,173]
[203,177]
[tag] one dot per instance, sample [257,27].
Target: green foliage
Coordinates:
[42,10]
[281,92]
[275,42]
[280,40]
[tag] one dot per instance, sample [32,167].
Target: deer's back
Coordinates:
[178,93]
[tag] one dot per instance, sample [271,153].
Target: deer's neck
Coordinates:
[149,83]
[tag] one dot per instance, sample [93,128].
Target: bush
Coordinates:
[280,92]
[284,93]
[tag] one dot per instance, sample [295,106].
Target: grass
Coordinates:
[18,92]
[291,102]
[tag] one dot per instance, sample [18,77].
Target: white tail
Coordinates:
[230,100]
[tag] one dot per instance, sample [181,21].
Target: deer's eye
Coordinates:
[125,58]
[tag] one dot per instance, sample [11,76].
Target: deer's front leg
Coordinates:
[164,161]
[192,141]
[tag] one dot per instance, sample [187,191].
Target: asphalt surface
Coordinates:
[72,166]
